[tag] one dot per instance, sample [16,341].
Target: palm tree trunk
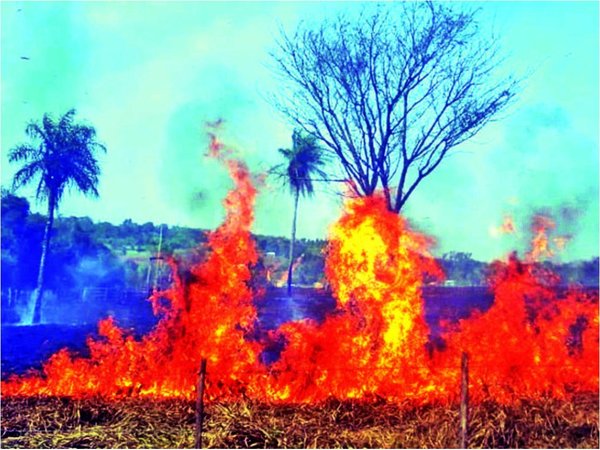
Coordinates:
[292,242]
[38,293]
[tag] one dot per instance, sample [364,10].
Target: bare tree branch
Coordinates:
[392,93]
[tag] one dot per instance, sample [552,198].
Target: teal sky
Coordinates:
[147,76]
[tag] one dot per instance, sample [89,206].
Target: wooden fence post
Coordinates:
[464,398]
[200,404]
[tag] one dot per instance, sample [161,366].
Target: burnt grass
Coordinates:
[53,422]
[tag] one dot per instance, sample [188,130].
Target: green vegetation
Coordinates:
[76,258]
[86,254]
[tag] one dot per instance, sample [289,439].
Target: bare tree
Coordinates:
[390,94]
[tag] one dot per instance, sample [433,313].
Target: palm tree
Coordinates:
[302,162]
[62,156]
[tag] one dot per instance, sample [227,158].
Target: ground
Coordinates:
[145,423]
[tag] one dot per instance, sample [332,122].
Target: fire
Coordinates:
[532,341]
[376,338]
[282,281]
[507,227]
[536,339]
[560,242]
[542,245]
[208,313]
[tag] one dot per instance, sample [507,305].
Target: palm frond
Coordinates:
[85,180]
[64,159]
[23,152]
[49,127]
[25,174]
[66,119]
[41,191]
[286,153]
[34,131]
[303,162]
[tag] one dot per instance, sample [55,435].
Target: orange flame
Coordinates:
[535,340]
[282,281]
[532,341]
[507,227]
[560,242]
[206,314]
[540,245]
[376,337]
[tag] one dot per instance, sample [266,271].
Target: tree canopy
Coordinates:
[392,93]
[303,163]
[62,156]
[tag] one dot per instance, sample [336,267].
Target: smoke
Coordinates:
[193,184]
[82,293]
[535,160]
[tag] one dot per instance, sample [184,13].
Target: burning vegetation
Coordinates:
[536,345]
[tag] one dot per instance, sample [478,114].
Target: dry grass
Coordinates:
[143,423]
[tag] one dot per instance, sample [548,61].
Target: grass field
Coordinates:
[144,423]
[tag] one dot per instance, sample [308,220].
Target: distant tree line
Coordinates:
[78,257]
[462,270]
[86,254]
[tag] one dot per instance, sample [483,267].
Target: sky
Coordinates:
[147,76]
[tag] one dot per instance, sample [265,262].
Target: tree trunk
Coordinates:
[292,242]
[38,293]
